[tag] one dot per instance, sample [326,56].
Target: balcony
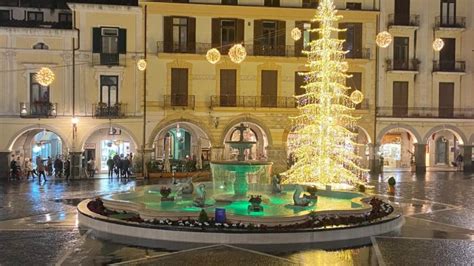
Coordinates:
[184,48]
[412,65]
[38,110]
[102,110]
[449,66]
[408,20]
[35,24]
[103,59]
[425,112]
[182,101]
[253,101]
[450,22]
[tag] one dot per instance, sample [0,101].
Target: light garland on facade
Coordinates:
[45,76]
[295,34]
[438,44]
[213,56]
[322,134]
[384,39]
[237,53]
[141,64]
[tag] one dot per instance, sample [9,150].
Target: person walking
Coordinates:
[41,169]
[125,167]
[91,167]
[67,169]
[110,165]
[459,160]
[29,169]
[49,166]
[14,169]
[58,167]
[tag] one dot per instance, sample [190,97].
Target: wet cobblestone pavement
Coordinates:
[38,227]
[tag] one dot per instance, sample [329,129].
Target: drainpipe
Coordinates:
[144,170]
[75,162]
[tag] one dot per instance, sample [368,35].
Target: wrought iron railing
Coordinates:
[449,66]
[102,110]
[177,100]
[403,20]
[402,65]
[107,59]
[38,110]
[253,101]
[450,22]
[425,112]
[35,24]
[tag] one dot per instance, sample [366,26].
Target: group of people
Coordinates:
[44,167]
[120,165]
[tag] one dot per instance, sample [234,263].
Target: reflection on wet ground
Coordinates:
[38,226]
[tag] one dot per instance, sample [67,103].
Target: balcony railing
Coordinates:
[402,65]
[35,24]
[408,20]
[362,53]
[450,22]
[102,110]
[449,66]
[176,100]
[425,112]
[253,101]
[38,110]
[106,59]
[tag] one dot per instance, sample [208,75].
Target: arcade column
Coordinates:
[4,165]
[467,158]
[420,158]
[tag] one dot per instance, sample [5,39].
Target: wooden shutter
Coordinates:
[96,40]
[357,40]
[355,82]
[191,35]
[299,43]
[447,55]
[228,87]
[402,12]
[446,99]
[179,86]
[299,81]
[281,38]
[343,36]
[168,34]
[216,33]
[122,41]
[257,37]
[400,99]
[240,30]
[314,34]
[269,88]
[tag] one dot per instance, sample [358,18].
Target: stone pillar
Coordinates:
[375,166]
[4,165]
[277,155]
[420,157]
[467,158]
[76,164]
[146,155]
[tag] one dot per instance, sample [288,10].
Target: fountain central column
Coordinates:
[241,184]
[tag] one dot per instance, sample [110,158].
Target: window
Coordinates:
[353,37]
[228,87]
[228,34]
[307,36]
[269,88]
[39,97]
[310,3]
[269,30]
[269,37]
[400,98]
[179,34]
[272,3]
[110,43]
[447,56]
[65,17]
[355,82]
[4,15]
[400,53]
[402,12]
[179,87]
[353,6]
[40,46]
[229,2]
[448,12]
[108,90]
[35,16]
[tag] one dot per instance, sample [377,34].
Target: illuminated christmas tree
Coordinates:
[323,146]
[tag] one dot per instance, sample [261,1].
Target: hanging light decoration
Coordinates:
[296,34]
[141,64]
[213,56]
[438,44]
[45,76]
[237,53]
[344,66]
[357,97]
[384,39]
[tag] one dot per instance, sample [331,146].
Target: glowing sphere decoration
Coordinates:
[141,64]
[45,76]
[438,44]
[384,39]
[296,34]
[357,96]
[237,53]
[213,56]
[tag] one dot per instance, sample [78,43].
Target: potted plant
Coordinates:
[255,201]
[165,192]
[391,185]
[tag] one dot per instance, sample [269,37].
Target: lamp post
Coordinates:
[142,66]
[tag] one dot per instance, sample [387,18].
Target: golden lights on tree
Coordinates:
[237,53]
[45,76]
[323,145]
[384,39]
[213,56]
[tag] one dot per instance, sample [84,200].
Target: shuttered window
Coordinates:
[269,88]
[179,34]
[109,40]
[400,98]
[446,99]
[355,82]
[306,36]
[353,37]
[269,37]
[228,87]
[179,87]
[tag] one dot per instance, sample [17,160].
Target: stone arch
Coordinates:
[471,140]
[456,131]
[108,125]
[366,133]
[246,119]
[408,128]
[66,141]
